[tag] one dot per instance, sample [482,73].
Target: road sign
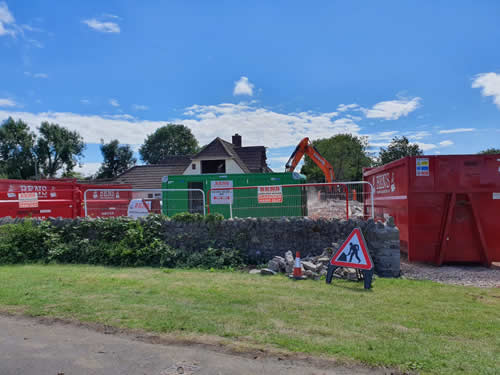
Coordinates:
[353,253]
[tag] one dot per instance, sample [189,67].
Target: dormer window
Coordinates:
[213,166]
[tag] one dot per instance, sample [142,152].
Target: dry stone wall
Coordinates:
[261,239]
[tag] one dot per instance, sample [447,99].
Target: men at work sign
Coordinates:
[353,253]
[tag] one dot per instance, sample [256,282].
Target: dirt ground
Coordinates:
[31,346]
[469,275]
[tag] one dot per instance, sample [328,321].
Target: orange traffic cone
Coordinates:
[297,268]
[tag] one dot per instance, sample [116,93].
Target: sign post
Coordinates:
[354,254]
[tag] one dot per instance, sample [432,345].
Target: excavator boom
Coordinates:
[305,147]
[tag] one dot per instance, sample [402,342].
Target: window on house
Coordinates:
[213,166]
[193,166]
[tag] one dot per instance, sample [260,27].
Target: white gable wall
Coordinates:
[231,166]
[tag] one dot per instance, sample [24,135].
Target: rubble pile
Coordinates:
[312,267]
[334,208]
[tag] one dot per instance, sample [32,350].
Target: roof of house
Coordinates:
[250,159]
[254,158]
[150,176]
[219,147]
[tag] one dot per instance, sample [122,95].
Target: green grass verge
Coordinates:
[413,325]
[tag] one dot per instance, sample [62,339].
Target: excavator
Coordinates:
[305,147]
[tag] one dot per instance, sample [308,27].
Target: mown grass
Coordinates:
[412,325]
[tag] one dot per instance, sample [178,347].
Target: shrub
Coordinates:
[111,241]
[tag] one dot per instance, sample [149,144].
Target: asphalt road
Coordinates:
[28,347]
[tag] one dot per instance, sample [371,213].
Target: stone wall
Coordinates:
[260,239]
[263,238]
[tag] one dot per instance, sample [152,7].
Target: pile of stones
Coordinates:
[313,267]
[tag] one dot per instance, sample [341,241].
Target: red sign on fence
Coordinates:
[270,194]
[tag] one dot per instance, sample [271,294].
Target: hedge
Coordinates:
[110,241]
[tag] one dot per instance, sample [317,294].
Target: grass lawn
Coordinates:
[413,325]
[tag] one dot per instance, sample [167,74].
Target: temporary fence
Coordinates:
[322,200]
[139,202]
[42,198]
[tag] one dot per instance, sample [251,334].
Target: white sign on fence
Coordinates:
[28,200]
[270,194]
[221,196]
[138,208]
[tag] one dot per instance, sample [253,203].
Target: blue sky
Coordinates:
[273,71]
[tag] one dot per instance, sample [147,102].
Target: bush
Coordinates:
[111,241]
[26,242]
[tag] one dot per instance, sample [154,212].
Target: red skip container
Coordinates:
[60,198]
[447,208]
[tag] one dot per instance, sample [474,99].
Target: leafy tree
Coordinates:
[397,149]
[490,151]
[346,153]
[117,159]
[172,139]
[16,150]
[58,148]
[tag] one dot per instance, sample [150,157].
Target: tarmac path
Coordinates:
[30,346]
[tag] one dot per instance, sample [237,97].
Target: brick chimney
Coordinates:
[237,140]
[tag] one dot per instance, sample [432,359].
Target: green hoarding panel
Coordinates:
[244,201]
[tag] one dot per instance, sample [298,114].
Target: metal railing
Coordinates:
[314,200]
[104,199]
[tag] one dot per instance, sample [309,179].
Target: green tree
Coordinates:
[17,159]
[172,139]
[490,151]
[347,154]
[58,148]
[397,149]
[117,159]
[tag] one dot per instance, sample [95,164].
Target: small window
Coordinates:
[193,166]
[213,166]
[150,195]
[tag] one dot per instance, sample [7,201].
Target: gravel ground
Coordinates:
[452,274]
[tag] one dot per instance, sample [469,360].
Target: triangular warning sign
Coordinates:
[353,253]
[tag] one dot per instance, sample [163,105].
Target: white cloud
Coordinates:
[446,143]
[426,146]
[140,107]
[114,102]
[418,135]
[36,75]
[347,107]
[102,26]
[108,15]
[393,109]
[88,169]
[84,101]
[387,135]
[243,87]
[258,126]
[457,130]
[489,83]
[7,103]
[7,21]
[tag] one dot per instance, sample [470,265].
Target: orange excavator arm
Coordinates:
[305,147]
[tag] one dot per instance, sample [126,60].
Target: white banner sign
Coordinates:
[28,200]
[221,196]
